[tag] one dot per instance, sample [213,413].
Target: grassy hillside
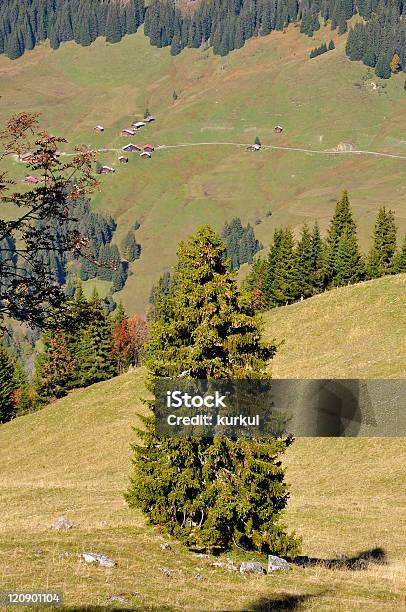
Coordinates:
[73,459]
[356,331]
[320,102]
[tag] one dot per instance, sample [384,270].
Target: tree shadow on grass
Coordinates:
[361,561]
[281,603]
[284,602]
[114,608]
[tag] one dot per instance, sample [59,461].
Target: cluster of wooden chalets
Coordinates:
[144,151]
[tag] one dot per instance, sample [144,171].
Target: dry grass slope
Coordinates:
[73,459]
[357,331]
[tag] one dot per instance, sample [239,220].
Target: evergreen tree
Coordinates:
[304,264]
[55,366]
[400,259]
[382,68]
[331,45]
[318,254]
[93,351]
[284,288]
[254,284]
[381,256]
[272,261]
[113,28]
[355,43]
[119,277]
[209,492]
[341,223]
[240,242]
[14,46]
[130,248]
[349,267]
[7,385]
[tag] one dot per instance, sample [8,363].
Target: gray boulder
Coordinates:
[276,563]
[102,560]
[228,565]
[120,599]
[165,546]
[251,567]
[166,572]
[62,523]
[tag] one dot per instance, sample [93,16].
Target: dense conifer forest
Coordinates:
[24,23]
[379,40]
[104,260]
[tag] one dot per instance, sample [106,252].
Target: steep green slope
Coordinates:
[73,458]
[356,331]
[319,102]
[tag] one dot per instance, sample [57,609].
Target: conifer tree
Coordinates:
[318,255]
[209,492]
[130,248]
[284,288]
[7,385]
[93,350]
[272,262]
[55,366]
[381,256]
[254,284]
[113,27]
[349,267]
[400,258]
[382,68]
[342,222]
[304,264]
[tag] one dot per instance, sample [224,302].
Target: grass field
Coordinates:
[320,103]
[73,459]
[356,331]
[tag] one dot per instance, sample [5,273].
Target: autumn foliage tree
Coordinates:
[395,63]
[34,232]
[129,337]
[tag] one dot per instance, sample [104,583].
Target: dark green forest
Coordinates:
[379,41]
[24,23]
[103,260]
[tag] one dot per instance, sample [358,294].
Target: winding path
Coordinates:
[245,144]
[279,148]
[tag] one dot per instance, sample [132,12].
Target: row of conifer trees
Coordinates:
[24,23]
[82,345]
[298,269]
[223,24]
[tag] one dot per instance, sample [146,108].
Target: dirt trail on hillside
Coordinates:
[275,147]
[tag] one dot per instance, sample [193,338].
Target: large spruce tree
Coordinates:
[210,493]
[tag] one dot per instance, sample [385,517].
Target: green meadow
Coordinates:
[320,103]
